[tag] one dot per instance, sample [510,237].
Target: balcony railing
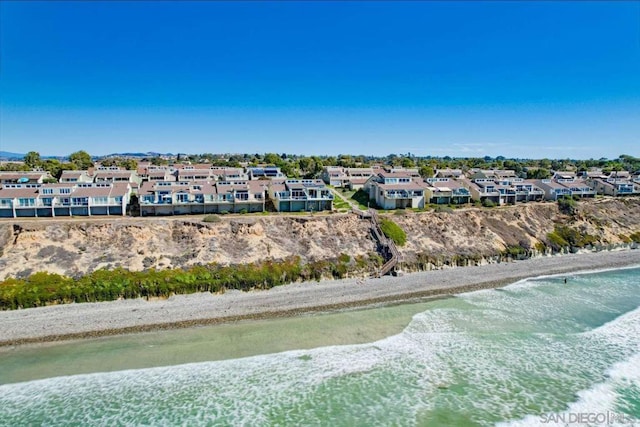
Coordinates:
[397,196]
[200,201]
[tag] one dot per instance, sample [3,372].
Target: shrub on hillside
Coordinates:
[557,241]
[445,209]
[393,231]
[567,205]
[563,236]
[625,239]
[211,218]
[344,258]
[515,251]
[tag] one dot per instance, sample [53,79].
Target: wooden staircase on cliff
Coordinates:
[387,247]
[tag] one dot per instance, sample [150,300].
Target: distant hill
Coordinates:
[11,156]
[7,155]
[148,154]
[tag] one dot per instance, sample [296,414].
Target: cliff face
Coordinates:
[488,232]
[74,247]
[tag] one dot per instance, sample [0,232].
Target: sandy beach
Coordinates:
[72,321]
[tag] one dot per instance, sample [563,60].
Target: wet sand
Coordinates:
[73,321]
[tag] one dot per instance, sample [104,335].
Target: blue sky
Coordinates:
[518,79]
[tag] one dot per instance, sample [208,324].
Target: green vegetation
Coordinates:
[564,236]
[516,251]
[212,218]
[488,203]
[362,198]
[81,159]
[393,231]
[32,159]
[567,205]
[340,203]
[298,166]
[538,173]
[625,238]
[541,247]
[129,164]
[344,258]
[635,237]
[444,209]
[41,289]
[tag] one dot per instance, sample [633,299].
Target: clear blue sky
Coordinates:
[520,79]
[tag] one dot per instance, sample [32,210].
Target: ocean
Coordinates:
[537,352]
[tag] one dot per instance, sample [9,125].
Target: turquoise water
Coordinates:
[512,356]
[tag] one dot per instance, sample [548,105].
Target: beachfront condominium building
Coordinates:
[615,186]
[396,189]
[565,185]
[447,191]
[64,199]
[265,172]
[24,177]
[351,178]
[75,176]
[334,175]
[300,195]
[230,174]
[201,197]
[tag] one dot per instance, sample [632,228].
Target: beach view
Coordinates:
[458,361]
[319,213]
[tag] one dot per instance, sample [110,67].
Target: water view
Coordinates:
[528,354]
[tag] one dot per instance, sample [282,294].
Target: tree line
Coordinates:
[299,166]
[79,160]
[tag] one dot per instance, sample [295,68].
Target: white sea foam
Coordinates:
[600,399]
[596,404]
[583,272]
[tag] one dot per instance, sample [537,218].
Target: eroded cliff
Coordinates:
[76,246]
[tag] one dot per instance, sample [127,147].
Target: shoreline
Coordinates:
[90,320]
